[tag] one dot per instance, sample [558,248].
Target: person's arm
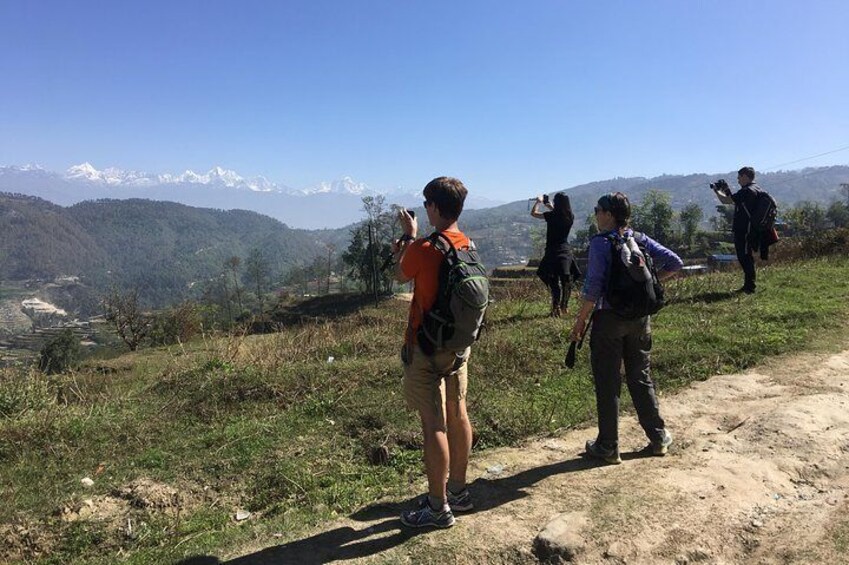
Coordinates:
[598,264]
[666,261]
[724,197]
[399,248]
[580,326]
[535,210]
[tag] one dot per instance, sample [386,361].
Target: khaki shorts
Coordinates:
[429,381]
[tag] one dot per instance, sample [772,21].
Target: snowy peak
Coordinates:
[224,176]
[85,171]
[345,185]
[216,176]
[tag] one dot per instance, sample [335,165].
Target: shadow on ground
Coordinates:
[386,531]
[330,307]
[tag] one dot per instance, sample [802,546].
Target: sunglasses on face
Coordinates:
[601,207]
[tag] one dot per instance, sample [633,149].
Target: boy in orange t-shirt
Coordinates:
[435,385]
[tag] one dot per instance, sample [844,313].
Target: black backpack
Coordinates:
[763,213]
[633,290]
[455,320]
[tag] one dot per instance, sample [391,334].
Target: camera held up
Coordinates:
[720,186]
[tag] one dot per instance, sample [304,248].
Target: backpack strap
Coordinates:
[757,192]
[441,241]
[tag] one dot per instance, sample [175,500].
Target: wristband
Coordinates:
[406,237]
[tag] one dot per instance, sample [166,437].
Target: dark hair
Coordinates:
[563,207]
[448,194]
[617,204]
[747,171]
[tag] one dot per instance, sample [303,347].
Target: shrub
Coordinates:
[820,244]
[21,391]
[59,353]
[177,324]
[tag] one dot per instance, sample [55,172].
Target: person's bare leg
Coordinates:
[459,440]
[436,455]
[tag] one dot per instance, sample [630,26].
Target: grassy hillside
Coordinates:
[160,247]
[178,440]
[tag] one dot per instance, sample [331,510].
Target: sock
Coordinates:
[456,487]
[436,504]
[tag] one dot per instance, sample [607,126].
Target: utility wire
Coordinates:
[807,158]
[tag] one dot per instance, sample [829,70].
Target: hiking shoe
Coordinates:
[745,290]
[606,454]
[661,446]
[460,502]
[427,517]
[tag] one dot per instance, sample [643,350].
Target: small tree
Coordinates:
[370,244]
[124,312]
[177,324]
[653,215]
[257,274]
[233,264]
[689,218]
[59,353]
[838,214]
[724,218]
[806,218]
[331,249]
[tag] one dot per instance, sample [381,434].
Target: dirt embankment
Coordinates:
[758,473]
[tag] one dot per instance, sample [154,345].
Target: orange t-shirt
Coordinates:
[421,263]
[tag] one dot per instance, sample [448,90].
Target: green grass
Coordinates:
[266,424]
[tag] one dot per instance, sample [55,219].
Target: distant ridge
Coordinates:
[329,204]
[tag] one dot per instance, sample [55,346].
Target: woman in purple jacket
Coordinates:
[615,339]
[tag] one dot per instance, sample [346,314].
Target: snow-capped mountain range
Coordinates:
[324,205]
[216,176]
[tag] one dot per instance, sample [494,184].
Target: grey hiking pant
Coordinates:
[612,341]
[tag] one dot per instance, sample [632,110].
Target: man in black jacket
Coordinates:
[744,201]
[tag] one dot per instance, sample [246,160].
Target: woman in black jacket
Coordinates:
[556,266]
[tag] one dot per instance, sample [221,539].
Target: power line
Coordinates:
[807,158]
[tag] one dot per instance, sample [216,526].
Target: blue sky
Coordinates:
[513,98]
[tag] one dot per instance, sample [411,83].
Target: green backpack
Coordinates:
[456,318]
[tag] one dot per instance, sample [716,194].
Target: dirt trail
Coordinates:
[758,473]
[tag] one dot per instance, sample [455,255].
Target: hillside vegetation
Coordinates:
[181,441]
[169,251]
[161,248]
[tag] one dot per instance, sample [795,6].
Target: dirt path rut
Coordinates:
[758,473]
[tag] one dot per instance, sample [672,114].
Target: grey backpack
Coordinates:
[456,318]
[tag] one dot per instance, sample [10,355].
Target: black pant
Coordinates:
[554,272]
[612,341]
[744,256]
[559,285]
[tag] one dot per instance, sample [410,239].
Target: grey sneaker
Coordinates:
[661,446]
[426,517]
[460,502]
[606,454]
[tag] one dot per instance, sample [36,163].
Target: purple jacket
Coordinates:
[598,265]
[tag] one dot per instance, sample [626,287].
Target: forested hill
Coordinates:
[169,251]
[503,233]
[161,248]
